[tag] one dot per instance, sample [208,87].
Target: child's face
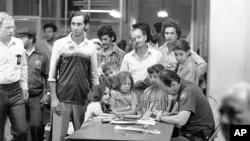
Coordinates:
[153,78]
[125,85]
[108,72]
[105,97]
[181,56]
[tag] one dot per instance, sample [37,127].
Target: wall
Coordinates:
[229,47]
[178,9]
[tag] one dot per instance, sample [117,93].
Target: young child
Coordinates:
[154,99]
[186,68]
[123,101]
[98,103]
[105,78]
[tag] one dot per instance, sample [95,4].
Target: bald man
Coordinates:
[235,108]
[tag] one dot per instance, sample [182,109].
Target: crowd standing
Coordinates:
[83,78]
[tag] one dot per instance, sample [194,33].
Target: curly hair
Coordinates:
[172,23]
[106,30]
[50,25]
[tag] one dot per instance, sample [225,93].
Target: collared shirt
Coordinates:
[138,67]
[13,64]
[77,68]
[113,59]
[45,47]
[38,71]
[192,99]
[156,99]
[189,71]
[169,61]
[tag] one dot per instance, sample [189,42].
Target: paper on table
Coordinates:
[122,122]
[146,122]
[117,127]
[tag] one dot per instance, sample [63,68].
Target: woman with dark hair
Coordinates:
[186,67]
[98,103]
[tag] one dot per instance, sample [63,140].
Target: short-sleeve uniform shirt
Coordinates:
[193,100]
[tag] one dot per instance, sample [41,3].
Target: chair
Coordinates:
[214,135]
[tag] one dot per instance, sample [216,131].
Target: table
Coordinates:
[95,131]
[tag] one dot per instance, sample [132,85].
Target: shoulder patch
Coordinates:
[183,96]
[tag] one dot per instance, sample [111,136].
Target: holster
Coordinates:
[202,135]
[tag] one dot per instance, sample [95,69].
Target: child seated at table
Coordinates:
[154,99]
[186,68]
[123,100]
[98,103]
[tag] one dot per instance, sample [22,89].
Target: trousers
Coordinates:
[12,105]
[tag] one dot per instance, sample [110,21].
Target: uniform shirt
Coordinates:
[45,47]
[119,100]
[77,68]
[138,67]
[169,61]
[93,109]
[13,64]
[113,59]
[193,100]
[38,71]
[189,71]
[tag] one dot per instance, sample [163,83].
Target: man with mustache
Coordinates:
[112,55]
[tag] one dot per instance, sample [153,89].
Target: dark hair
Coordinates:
[96,93]
[79,13]
[32,37]
[167,76]
[145,28]
[106,30]
[172,23]
[181,45]
[105,68]
[155,68]
[122,76]
[50,25]
[158,26]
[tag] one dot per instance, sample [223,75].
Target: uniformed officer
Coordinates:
[195,115]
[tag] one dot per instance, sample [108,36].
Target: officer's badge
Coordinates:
[183,95]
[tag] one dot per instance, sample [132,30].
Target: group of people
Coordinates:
[82,78]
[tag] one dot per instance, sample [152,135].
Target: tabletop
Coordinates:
[105,131]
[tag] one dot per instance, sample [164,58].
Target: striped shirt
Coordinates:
[74,68]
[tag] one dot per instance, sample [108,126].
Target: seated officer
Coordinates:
[235,108]
[195,115]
